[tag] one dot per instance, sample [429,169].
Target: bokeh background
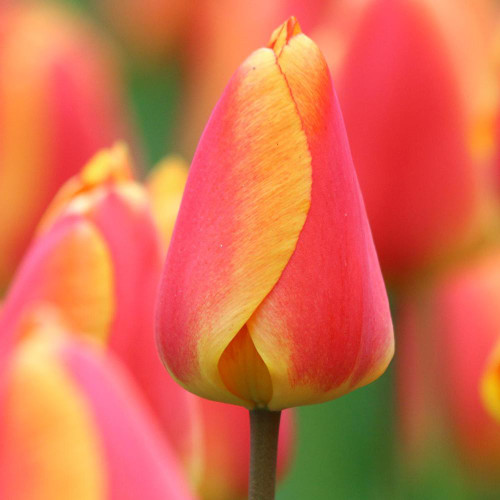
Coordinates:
[418,84]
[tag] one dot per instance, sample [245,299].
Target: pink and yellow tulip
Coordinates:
[97,258]
[272,294]
[73,424]
[60,101]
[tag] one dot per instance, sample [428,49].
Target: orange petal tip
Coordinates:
[283,34]
[113,164]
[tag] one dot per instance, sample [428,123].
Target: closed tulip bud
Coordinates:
[74,425]
[60,101]
[272,294]
[225,450]
[418,96]
[97,258]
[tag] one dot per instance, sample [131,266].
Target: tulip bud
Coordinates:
[225,450]
[60,101]
[97,258]
[73,425]
[418,99]
[272,294]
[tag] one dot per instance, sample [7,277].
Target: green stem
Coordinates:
[264,429]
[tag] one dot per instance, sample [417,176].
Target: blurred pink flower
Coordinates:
[60,100]
[73,424]
[447,335]
[418,96]
[97,258]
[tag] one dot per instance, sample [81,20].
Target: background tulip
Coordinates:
[445,345]
[98,260]
[237,298]
[420,124]
[60,100]
[73,424]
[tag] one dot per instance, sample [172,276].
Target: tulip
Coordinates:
[225,450]
[60,101]
[418,97]
[97,258]
[272,294]
[165,185]
[455,325]
[74,426]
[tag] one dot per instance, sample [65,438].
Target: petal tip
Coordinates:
[283,34]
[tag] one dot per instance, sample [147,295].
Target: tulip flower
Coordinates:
[418,96]
[272,294]
[225,450]
[455,325]
[74,425]
[60,101]
[97,258]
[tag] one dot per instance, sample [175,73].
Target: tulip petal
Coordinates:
[245,203]
[74,426]
[139,464]
[50,449]
[75,253]
[343,321]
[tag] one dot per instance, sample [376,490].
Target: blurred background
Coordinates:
[418,84]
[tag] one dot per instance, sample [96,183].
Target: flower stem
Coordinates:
[264,428]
